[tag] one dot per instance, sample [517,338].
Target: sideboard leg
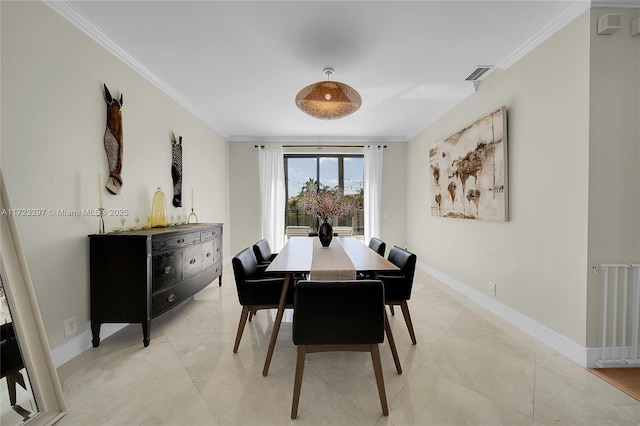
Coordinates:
[146,328]
[220,280]
[95,331]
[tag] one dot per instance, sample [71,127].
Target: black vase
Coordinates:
[325,234]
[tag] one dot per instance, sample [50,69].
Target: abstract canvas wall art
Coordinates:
[468,171]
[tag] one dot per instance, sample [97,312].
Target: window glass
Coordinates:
[329,177]
[299,171]
[353,175]
[329,171]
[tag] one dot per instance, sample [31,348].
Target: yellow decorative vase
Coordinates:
[159,210]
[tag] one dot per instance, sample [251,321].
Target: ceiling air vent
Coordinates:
[479,72]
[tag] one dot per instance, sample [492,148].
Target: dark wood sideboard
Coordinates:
[137,275]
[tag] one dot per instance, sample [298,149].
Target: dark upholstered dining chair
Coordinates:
[263,253]
[338,316]
[397,285]
[10,360]
[377,245]
[255,290]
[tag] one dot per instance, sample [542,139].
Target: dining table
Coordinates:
[343,259]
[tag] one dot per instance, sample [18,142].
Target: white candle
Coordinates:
[100,191]
[192,200]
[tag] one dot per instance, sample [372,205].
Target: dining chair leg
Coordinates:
[377,369]
[392,343]
[407,319]
[276,324]
[393,312]
[241,324]
[297,384]
[14,377]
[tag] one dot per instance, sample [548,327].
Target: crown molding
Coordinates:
[356,140]
[556,24]
[617,4]
[63,8]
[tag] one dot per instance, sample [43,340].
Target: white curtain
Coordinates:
[372,191]
[272,195]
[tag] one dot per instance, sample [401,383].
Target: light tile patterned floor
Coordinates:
[468,368]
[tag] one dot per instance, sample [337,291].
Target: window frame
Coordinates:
[317,157]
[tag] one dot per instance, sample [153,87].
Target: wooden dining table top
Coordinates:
[297,256]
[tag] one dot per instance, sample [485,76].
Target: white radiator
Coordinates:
[620,315]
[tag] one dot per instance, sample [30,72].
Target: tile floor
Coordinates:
[468,368]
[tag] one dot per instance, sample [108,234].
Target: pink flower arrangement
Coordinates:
[326,203]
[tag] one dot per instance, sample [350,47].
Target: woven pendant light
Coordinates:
[328,100]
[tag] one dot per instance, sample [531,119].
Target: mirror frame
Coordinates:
[32,337]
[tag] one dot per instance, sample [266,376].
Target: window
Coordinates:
[346,171]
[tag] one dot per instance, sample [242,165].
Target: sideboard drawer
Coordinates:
[217,250]
[218,269]
[166,299]
[167,270]
[208,254]
[191,261]
[208,234]
[175,241]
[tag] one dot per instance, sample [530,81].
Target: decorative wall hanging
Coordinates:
[176,169]
[113,143]
[469,171]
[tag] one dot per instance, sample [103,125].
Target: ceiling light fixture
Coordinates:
[328,100]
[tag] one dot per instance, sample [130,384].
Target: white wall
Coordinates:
[244,196]
[614,159]
[53,122]
[393,227]
[538,258]
[244,219]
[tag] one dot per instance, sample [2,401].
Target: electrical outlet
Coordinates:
[70,326]
[492,288]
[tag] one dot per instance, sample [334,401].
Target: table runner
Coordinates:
[331,263]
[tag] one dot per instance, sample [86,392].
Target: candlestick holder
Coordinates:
[101,221]
[194,215]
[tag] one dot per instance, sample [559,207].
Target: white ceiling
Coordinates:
[238,65]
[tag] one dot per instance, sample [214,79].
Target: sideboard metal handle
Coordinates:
[208,254]
[171,298]
[192,261]
[168,270]
[180,240]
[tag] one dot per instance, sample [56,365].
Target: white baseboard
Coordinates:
[76,345]
[553,339]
